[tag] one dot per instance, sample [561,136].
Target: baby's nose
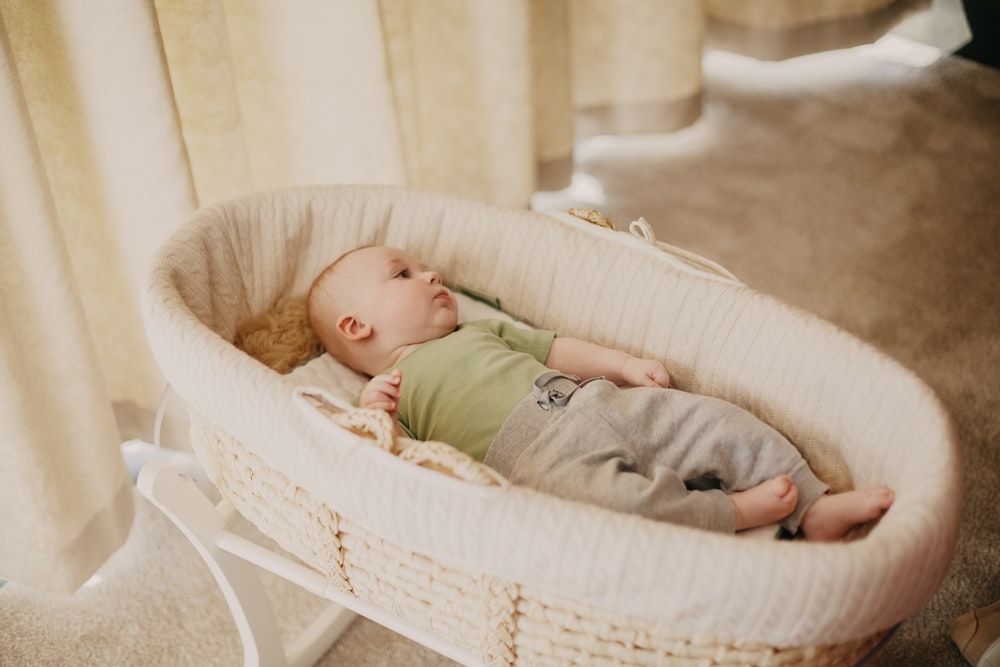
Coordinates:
[433,277]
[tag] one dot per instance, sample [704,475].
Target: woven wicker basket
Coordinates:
[497,618]
[521,578]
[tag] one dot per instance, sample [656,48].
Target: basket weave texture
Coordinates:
[506,623]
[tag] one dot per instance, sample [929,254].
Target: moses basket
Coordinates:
[499,574]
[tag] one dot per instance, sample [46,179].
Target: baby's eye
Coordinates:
[405,273]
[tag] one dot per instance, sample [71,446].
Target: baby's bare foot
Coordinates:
[830,517]
[765,503]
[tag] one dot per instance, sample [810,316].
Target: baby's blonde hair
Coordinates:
[327,299]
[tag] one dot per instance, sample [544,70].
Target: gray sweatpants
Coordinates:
[660,453]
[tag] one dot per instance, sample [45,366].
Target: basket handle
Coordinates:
[642,230]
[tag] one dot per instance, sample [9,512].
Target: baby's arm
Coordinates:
[586,359]
[382,393]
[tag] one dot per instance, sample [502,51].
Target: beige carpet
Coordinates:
[863,190]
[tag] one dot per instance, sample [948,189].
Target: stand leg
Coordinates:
[320,636]
[201,523]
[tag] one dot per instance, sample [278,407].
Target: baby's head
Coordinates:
[374,304]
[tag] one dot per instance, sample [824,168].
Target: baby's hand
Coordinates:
[382,393]
[645,373]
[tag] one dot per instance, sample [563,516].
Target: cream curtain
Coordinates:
[119,117]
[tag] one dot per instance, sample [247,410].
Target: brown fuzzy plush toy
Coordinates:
[280,337]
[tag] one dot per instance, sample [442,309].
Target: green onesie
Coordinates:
[445,395]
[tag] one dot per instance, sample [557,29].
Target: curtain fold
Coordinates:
[100,102]
[275,94]
[636,65]
[776,14]
[66,501]
[461,77]
[781,29]
[119,117]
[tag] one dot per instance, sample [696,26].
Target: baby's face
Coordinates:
[401,299]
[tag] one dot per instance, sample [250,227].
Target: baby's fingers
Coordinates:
[385,384]
[660,377]
[372,398]
[382,392]
[385,405]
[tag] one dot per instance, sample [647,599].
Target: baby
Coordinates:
[513,398]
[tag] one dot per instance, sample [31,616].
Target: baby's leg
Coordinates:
[831,516]
[765,503]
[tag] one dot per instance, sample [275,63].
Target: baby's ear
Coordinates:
[352,328]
